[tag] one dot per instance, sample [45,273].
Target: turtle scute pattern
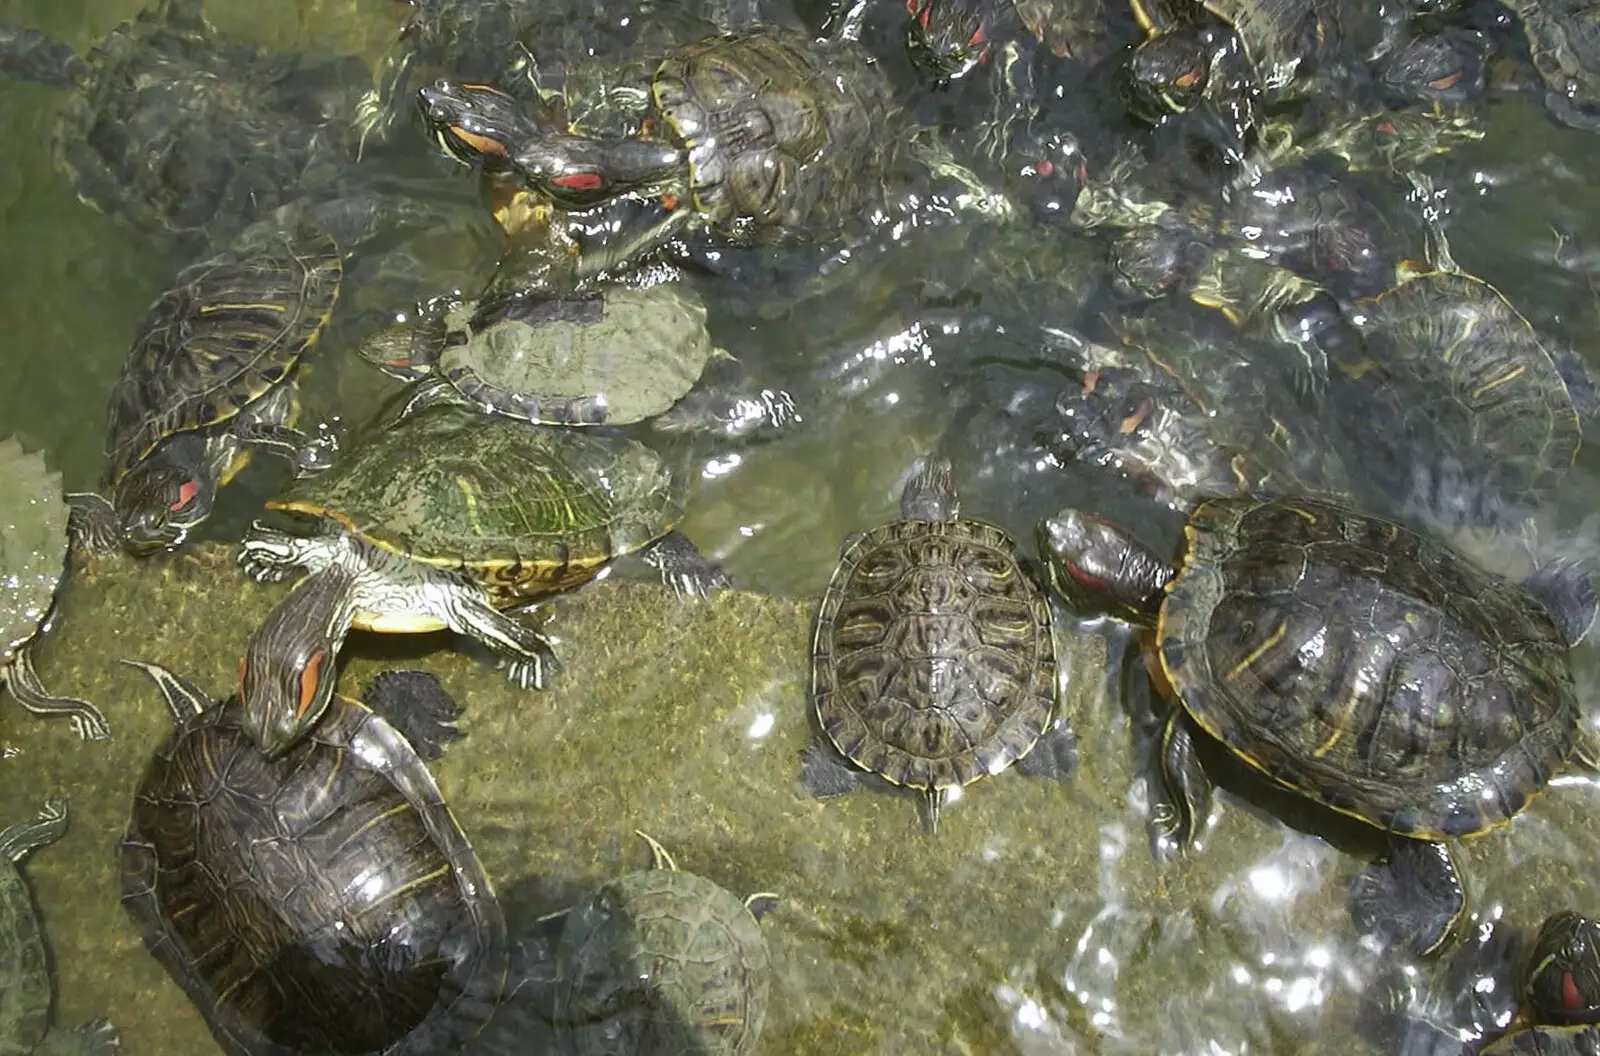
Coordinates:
[939,667]
[1367,666]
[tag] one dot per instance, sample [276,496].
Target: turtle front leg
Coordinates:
[24,684]
[609,259]
[269,556]
[464,608]
[823,773]
[1054,754]
[683,567]
[1184,799]
[1413,898]
[92,523]
[432,392]
[94,1038]
[264,425]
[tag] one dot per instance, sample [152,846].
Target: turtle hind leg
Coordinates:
[1054,755]
[823,773]
[1183,791]
[414,703]
[19,840]
[529,660]
[1568,594]
[94,1038]
[684,568]
[1413,898]
[24,684]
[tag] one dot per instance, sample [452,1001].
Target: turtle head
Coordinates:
[1169,73]
[163,498]
[947,39]
[1447,66]
[476,124]
[931,494]
[289,669]
[1153,261]
[576,172]
[407,351]
[1563,977]
[1099,567]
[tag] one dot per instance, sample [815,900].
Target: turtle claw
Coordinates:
[824,774]
[97,1038]
[683,568]
[532,673]
[90,727]
[267,556]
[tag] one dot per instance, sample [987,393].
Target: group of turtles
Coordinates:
[1319,630]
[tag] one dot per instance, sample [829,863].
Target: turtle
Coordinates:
[211,376]
[1560,1014]
[176,127]
[933,659]
[26,991]
[662,961]
[322,901]
[440,521]
[1356,662]
[1564,40]
[36,529]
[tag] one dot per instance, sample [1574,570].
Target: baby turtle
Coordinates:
[1353,661]
[34,538]
[325,901]
[662,961]
[441,521]
[933,662]
[25,988]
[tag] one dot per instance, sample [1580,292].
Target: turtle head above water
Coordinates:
[290,666]
[1099,567]
[476,124]
[948,39]
[163,498]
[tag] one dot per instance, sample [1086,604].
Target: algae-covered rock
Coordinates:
[1035,921]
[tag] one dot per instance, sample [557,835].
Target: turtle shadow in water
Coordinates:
[637,1022]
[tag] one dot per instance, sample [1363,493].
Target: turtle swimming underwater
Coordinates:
[1356,662]
[933,660]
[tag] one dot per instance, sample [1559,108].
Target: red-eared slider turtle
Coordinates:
[322,902]
[211,376]
[933,662]
[1356,662]
[662,961]
[25,988]
[765,135]
[441,521]
[34,534]
[1560,1013]
[176,126]
[1564,39]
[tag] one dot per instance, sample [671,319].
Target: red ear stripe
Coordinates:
[1570,997]
[579,181]
[308,682]
[186,493]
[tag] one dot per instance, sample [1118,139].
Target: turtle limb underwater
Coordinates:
[1454,701]
[933,659]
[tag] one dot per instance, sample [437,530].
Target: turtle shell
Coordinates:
[229,331]
[523,509]
[1564,42]
[1075,28]
[613,358]
[25,987]
[1366,666]
[782,133]
[691,944]
[1468,382]
[933,663]
[33,542]
[323,902]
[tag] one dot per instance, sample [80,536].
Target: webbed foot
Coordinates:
[92,523]
[683,568]
[823,773]
[1412,899]
[1054,755]
[414,703]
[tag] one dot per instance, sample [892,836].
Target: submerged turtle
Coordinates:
[34,539]
[1564,39]
[25,988]
[322,902]
[933,662]
[176,126]
[1358,663]
[211,376]
[662,961]
[441,521]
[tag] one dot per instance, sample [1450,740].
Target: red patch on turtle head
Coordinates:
[578,181]
[186,493]
[308,682]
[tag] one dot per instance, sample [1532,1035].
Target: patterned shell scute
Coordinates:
[638,353]
[324,902]
[691,946]
[229,330]
[1366,666]
[25,988]
[33,544]
[516,505]
[1476,385]
[782,132]
[933,663]
[1279,34]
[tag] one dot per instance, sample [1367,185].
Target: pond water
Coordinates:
[1036,920]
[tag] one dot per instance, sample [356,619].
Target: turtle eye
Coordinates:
[186,493]
[308,682]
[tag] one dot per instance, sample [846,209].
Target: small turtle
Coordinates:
[933,662]
[1564,39]
[324,901]
[1560,1014]
[662,961]
[177,127]
[35,528]
[441,521]
[25,987]
[1351,660]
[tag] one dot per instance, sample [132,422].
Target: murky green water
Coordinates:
[1035,921]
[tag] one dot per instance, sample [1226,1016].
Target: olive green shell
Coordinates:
[783,133]
[524,509]
[324,902]
[33,545]
[1470,382]
[229,331]
[621,357]
[25,988]
[1368,667]
[691,945]
[933,664]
